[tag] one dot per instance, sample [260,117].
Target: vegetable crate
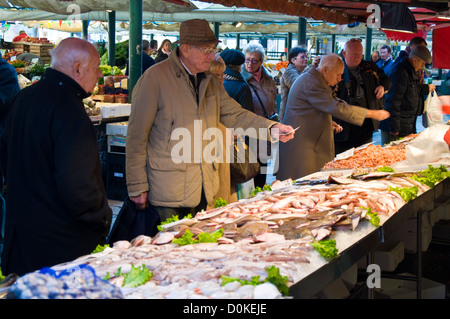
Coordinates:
[43,50]
[21,47]
[116,186]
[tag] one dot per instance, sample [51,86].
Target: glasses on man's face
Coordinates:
[207,51]
[252,61]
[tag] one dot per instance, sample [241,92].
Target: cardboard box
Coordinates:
[117,129]
[115,109]
[407,289]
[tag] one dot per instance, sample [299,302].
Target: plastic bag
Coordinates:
[131,222]
[428,147]
[432,111]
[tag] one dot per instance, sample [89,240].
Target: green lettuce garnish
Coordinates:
[220,202]
[100,248]
[432,175]
[172,219]
[259,189]
[136,277]
[273,276]
[374,218]
[188,238]
[407,193]
[326,248]
[385,169]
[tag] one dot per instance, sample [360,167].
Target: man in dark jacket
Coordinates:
[362,84]
[9,87]
[56,207]
[403,101]
[234,83]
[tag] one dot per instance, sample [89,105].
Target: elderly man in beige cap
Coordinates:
[175,105]
[403,101]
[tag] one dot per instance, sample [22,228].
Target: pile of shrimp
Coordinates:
[371,156]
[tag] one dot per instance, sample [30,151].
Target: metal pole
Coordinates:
[368,44]
[333,43]
[238,41]
[135,47]
[216,29]
[302,31]
[111,38]
[289,42]
[85,24]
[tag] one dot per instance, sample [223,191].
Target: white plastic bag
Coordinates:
[432,113]
[428,147]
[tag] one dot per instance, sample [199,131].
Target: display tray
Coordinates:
[328,273]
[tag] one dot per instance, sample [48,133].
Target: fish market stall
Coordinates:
[290,240]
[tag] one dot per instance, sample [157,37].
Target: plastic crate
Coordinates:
[116,186]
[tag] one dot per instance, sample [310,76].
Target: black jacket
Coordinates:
[56,207]
[404,101]
[238,89]
[372,76]
[160,56]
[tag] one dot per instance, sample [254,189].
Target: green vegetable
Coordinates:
[432,175]
[220,202]
[172,219]
[385,169]
[188,238]
[258,189]
[136,277]
[99,248]
[273,276]
[326,248]
[407,193]
[374,218]
[37,70]
[1,275]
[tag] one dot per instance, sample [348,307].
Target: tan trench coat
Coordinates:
[311,106]
[165,118]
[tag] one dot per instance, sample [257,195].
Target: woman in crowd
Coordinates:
[264,93]
[164,50]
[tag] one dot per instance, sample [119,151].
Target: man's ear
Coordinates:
[76,70]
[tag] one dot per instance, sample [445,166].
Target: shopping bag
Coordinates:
[245,165]
[432,111]
[131,222]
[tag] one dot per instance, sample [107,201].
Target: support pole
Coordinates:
[216,29]
[368,54]
[302,31]
[135,45]
[111,38]
[238,41]
[85,24]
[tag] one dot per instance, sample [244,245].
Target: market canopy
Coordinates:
[66,7]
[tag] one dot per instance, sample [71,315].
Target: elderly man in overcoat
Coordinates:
[311,106]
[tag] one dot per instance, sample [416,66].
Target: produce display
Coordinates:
[257,247]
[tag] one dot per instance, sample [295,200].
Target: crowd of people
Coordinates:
[57,208]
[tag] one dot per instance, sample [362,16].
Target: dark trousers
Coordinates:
[167,212]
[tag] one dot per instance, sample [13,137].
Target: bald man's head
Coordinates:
[331,67]
[78,59]
[353,52]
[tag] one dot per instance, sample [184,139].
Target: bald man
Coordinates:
[311,106]
[362,84]
[57,209]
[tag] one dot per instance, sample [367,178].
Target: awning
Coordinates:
[441,48]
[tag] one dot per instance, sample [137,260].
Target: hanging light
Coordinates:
[398,17]
[237,24]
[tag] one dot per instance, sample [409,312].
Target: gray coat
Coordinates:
[311,106]
[289,76]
